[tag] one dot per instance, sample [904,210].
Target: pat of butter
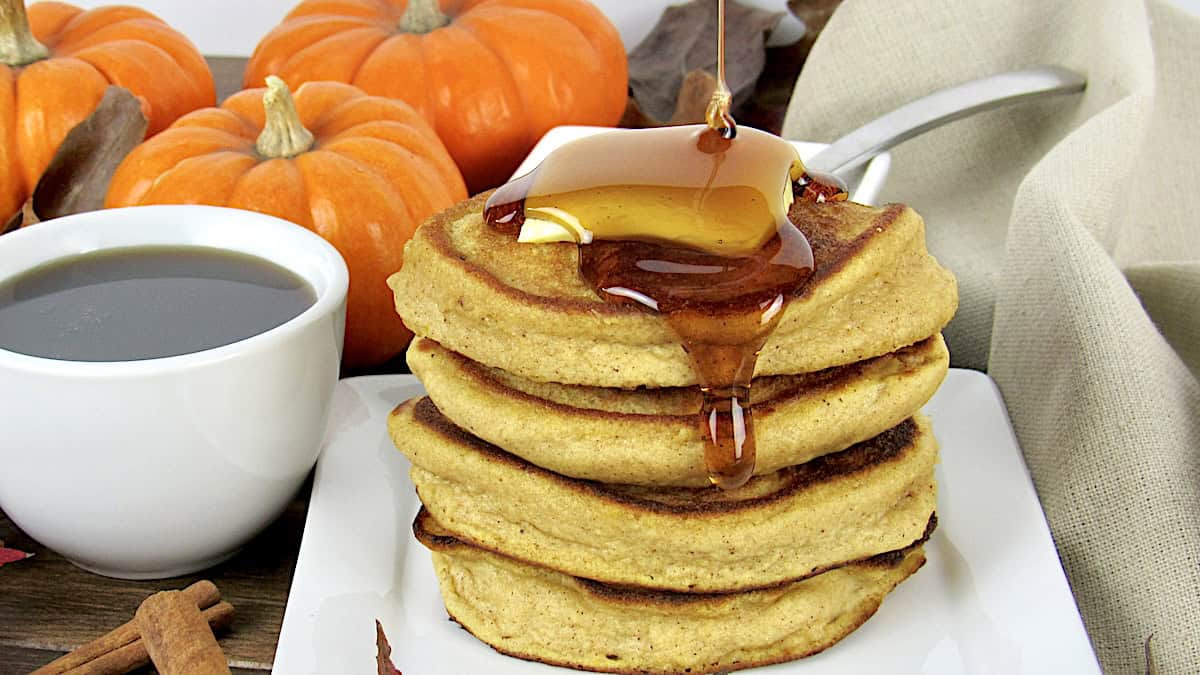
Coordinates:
[547,224]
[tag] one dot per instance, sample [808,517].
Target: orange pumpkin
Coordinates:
[57,60]
[491,76]
[361,171]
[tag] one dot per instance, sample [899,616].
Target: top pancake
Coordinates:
[525,308]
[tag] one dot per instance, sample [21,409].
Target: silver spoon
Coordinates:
[961,100]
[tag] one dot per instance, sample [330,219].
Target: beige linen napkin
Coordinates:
[1074,228]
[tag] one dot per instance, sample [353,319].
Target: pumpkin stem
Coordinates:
[283,136]
[18,47]
[422,16]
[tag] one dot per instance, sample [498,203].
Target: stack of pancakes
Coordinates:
[560,460]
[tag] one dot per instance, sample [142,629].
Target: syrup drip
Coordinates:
[689,222]
[717,114]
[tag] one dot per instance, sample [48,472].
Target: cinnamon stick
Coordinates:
[178,638]
[134,655]
[203,594]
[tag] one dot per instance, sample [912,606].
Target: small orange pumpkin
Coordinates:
[57,60]
[361,171]
[491,76]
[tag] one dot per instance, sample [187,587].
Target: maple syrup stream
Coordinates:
[691,223]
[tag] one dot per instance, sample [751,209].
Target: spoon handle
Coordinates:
[940,107]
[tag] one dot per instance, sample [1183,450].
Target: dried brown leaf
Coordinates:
[634,118]
[79,173]
[690,105]
[24,215]
[383,656]
[694,95]
[685,40]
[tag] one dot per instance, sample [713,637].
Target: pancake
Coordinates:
[525,309]
[604,434]
[877,496]
[538,614]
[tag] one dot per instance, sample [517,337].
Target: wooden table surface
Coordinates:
[49,607]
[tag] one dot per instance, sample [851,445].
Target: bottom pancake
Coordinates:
[541,615]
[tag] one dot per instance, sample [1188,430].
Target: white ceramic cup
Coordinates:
[161,467]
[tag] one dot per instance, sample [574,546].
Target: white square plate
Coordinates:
[992,597]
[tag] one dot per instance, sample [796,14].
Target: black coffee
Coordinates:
[146,302]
